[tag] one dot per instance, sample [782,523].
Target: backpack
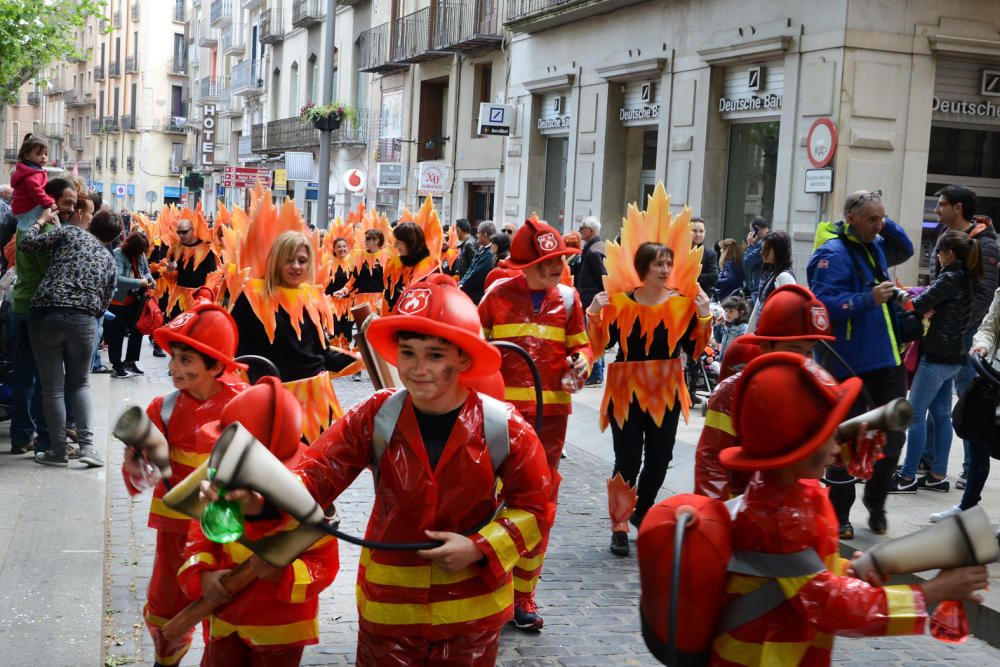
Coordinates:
[685,556]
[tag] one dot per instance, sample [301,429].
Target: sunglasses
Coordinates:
[866,197]
[508,231]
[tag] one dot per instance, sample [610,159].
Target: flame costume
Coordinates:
[208,327]
[398,272]
[550,327]
[410,610]
[784,520]
[289,325]
[268,622]
[645,393]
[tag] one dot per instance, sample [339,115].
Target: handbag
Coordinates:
[974,416]
[909,325]
[150,319]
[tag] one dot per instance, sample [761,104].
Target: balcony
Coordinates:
[221,13]
[272,29]
[232,45]
[95,127]
[117,21]
[131,64]
[177,67]
[10,155]
[76,100]
[174,124]
[208,89]
[231,106]
[130,164]
[208,38]
[114,68]
[246,79]
[110,124]
[128,123]
[53,89]
[296,133]
[412,38]
[180,13]
[98,164]
[76,142]
[306,13]
[81,56]
[113,164]
[135,12]
[464,26]
[534,15]
[374,51]
[55,131]
[35,98]
[99,73]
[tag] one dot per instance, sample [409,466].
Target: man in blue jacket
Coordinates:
[753,263]
[474,281]
[849,273]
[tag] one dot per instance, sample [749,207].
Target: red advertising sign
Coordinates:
[245,177]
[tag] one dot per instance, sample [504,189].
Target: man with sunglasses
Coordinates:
[849,273]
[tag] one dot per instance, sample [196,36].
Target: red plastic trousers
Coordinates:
[231,651]
[472,650]
[164,598]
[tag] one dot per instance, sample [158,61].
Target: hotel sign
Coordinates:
[208,135]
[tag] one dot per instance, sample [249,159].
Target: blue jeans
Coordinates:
[26,416]
[931,391]
[95,360]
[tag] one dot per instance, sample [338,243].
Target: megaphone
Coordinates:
[242,462]
[135,429]
[961,540]
[895,415]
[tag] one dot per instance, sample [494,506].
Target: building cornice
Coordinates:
[633,70]
[548,84]
[757,49]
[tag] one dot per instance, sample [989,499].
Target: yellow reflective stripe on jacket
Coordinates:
[159,507]
[526,329]
[444,612]
[200,557]
[768,653]
[791,586]
[267,635]
[578,339]
[301,582]
[526,524]
[192,459]
[502,544]
[902,610]
[528,394]
[153,619]
[410,576]
[721,421]
[237,552]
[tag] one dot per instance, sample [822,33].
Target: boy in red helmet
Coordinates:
[786,526]
[545,317]
[792,320]
[201,342]
[268,623]
[439,452]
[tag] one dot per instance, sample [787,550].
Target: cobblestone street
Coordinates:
[588,597]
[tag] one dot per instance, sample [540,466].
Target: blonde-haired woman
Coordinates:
[297,346]
[730,269]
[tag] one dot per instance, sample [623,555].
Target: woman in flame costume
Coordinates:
[337,248]
[415,253]
[652,307]
[276,285]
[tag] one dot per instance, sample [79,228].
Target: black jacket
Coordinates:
[589,275]
[466,251]
[951,296]
[709,269]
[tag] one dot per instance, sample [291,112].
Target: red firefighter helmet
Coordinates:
[436,307]
[206,327]
[741,351]
[792,312]
[805,404]
[535,242]
[272,415]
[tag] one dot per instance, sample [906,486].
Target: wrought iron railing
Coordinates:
[466,24]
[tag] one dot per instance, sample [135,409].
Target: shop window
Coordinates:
[964,152]
[753,161]
[431,136]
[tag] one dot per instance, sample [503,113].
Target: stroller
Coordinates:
[702,374]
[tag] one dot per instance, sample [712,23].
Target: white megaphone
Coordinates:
[961,540]
[895,415]
[242,462]
[135,429]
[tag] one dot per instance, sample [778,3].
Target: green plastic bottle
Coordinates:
[222,520]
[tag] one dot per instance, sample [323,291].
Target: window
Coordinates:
[293,90]
[433,107]
[176,157]
[117,96]
[390,127]
[100,105]
[177,101]
[336,69]
[312,79]
[132,103]
[275,93]
[179,52]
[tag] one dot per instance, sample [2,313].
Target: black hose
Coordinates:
[535,377]
[251,359]
[675,585]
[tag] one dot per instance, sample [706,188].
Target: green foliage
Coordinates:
[35,33]
[313,112]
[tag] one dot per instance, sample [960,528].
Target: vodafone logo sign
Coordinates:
[354,180]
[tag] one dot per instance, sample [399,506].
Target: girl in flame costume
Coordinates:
[275,281]
[415,251]
[652,307]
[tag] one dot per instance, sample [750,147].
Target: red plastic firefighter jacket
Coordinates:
[189,446]
[783,520]
[549,336]
[399,593]
[711,478]
[264,613]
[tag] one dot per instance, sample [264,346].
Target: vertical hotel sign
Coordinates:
[208,135]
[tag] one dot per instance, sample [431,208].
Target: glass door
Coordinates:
[753,164]
[554,200]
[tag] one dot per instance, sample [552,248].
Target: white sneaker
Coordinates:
[941,516]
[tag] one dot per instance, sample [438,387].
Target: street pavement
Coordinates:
[59,581]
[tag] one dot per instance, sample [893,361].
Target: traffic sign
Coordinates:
[495,119]
[822,142]
[819,181]
[245,177]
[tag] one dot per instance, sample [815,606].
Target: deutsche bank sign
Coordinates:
[495,119]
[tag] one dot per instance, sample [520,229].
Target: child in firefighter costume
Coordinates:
[439,453]
[792,320]
[653,308]
[545,318]
[784,523]
[268,623]
[201,342]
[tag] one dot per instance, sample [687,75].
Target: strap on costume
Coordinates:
[167,408]
[385,423]
[566,292]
